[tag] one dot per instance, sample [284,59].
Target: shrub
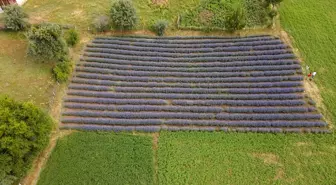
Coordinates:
[159,27]
[46,41]
[24,132]
[62,70]
[123,15]
[101,24]
[273,2]
[235,21]
[15,18]
[72,37]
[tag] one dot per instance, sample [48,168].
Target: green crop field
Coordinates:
[313,27]
[246,158]
[100,158]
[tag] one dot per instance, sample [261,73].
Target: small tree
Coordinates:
[62,70]
[24,132]
[15,18]
[235,21]
[160,27]
[123,15]
[46,41]
[72,37]
[101,23]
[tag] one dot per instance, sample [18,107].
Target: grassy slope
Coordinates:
[100,158]
[20,77]
[313,25]
[219,158]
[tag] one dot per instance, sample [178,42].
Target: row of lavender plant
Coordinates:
[222,58]
[190,50]
[191,69]
[189,80]
[186,102]
[108,52]
[186,74]
[186,96]
[100,85]
[182,122]
[198,64]
[199,45]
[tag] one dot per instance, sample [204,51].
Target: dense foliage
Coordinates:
[213,14]
[62,70]
[100,158]
[24,131]
[15,18]
[123,15]
[160,27]
[235,21]
[101,24]
[46,41]
[72,37]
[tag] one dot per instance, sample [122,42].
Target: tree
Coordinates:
[46,41]
[101,23]
[15,18]
[159,27]
[123,15]
[235,20]
[24,132]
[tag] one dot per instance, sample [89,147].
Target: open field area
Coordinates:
[192,158]
[313,27]
[219,158]
[20,77]
[100,158]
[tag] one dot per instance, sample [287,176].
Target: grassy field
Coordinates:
[219,158]
[81,13]
[312,24]
[100,158]
[21,77]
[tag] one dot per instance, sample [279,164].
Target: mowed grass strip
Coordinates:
[246,158]
[313,27]
[100,158]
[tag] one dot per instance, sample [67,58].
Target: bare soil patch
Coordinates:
[268,158]
[205,17]
[160,2]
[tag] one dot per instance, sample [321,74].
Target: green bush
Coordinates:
[236,20]
[15,18]
[101,24]
[24,132]
[123,15]
[62,70]
[72,37]
[46,41]
[160,27]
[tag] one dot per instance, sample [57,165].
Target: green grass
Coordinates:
[313,27]
[246,158]
[81,13]
[21,77]
[100,158]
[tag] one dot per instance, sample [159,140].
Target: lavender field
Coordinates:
[244,84]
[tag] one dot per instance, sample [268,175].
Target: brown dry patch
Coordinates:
[77,13]
[287,39]
[313,92]
[268,158]
[33,174]
[302,144]
[160,2]
[279,174]
[205,17]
